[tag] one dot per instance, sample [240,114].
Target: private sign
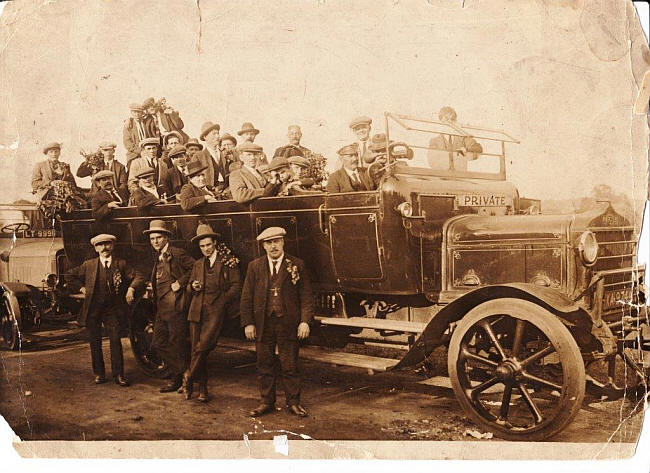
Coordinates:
[482,200]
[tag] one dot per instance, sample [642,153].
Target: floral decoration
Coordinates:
[226,256]
[292,269]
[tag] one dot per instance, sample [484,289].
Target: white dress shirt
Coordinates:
[278,263]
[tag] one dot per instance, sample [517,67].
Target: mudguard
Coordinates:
[433,335]
[12,290]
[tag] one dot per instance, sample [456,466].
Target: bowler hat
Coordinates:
[194,168]
[362,120]
[271,233]
[50,146]
[107,145]
[193,142]
[144,172]
[250,147]
[157,226]
[102,237]
[299,160]
[101,174]
[170,134]
[206,128]
[246,127]
[149,141]
[276,163]
[177,150]
[228,136]
[204,231]
[349,149]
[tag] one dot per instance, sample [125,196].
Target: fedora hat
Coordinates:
[170,134]
[276,163]
[204,231]
[157,226]
[101,174]
[193,142]
[206,128]
[50,146]
[246,127]
[102,237]
[194,168]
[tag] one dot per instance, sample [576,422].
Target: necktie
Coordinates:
[356,182]
[109,279]
[275,268]
[208,262]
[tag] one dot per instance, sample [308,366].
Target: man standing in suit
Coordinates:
[246,183]
[50,170]
[350,177]
[109,284]
[214,285]
[176,176]
[148,159]
[361,128]
[212,156]
[276,309]
[169,277]
[248,134]
[170,141]
[110,164]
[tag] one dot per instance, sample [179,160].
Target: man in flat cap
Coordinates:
[214,285]
[170,141]
[246,182]
[109,284]
[148,159]
[176,176]
[361,128]
[146,194]
[350,177]
[106,198]
[169,276]
[109,163]
[248,133]
[135,130]
[218,164]
[463,147]
[276,309]
[46,172]
[294,134]
[196,193]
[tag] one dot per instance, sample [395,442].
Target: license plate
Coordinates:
[486,200]
[611,298]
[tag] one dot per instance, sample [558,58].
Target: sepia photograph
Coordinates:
[324,229]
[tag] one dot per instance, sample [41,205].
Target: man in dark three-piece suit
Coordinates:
[350,177]
[109,284]
[276,309]
[169,276]
[214,285]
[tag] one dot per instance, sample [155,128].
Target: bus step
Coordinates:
[375,324]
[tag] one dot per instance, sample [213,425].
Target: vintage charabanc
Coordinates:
[445,255]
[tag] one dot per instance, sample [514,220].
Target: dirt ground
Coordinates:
[47,393]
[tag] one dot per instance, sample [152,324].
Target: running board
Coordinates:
[324,355]
[375,324]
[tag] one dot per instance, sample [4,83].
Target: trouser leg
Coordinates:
[179,348]
[94,330]
[266,361]
[288,356]
[112,324]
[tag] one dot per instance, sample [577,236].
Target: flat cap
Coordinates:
[136,107]
[349,149]
[101,174]
[271,233]
[149,141]
[102,237]
[362,120]
[299,160]
[144,172]
[178,149]
[276,163]
[250,147]
[50,146]
[170,134]
[107,145]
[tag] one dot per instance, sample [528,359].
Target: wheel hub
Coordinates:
[506,372]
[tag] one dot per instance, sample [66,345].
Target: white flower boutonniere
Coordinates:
[292,269]
[117,280]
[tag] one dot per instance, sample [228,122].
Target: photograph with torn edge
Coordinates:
[323,229]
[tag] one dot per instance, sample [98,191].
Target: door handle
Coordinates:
[323,230]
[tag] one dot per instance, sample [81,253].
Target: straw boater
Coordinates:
[246,182]
[50,170]
[361,128]
[169,276]
[196,193]
[214,285]
[109,284]
[109,163]
[276,309]
[350,177]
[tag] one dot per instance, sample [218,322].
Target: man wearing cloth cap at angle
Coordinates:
[214,285]
[109,284]
[176,176]
[148,159]
[109,163]
[45,172]
[350,177]
[276,309]
[135,130]
[361,128]
[246,182]
[196,193]
[169,276]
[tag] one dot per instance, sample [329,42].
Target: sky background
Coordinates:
[557,75]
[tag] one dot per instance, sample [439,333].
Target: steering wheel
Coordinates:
[15,227]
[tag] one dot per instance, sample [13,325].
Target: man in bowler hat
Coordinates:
[276,309]
[109,284]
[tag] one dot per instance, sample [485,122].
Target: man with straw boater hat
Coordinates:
[276,309]
[214,285]
[109,284]
[196,193]
[169,277]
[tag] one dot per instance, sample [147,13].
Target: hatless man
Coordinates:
[169,277]
[246,182]
[109,163]
[109,284]
[214,285]
[294,135]
[361,127]
[196,193]
[350,177]
[148,159]
[462,146]
[276,309]
[176,177]
[106,198]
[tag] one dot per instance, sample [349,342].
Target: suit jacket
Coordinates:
[229,283]
[88,272]
[339,181]
[438,155]
[141,198]
[297,300]
[138,164]
[192,197]
[180,265]
[42,176]
[281,150]
[206,159]
[99,204]
[244,186]
[173,182]
[119,176]
[173,122]
[221,163]
[131,137]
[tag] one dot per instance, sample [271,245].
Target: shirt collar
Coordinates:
[352,173]
[271,261]
[254,171]
[213,258]
[163,251]
[103,260]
